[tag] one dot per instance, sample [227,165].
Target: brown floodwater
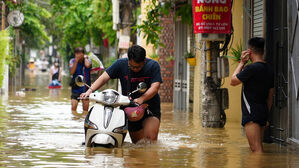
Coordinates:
[39,130]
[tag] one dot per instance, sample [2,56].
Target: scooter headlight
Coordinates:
[90,125]
[121,130]
[109,97]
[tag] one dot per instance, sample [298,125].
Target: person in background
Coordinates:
[31,65]
[131,71]
[44,65]
[80,65]
[257,92]
[55,73]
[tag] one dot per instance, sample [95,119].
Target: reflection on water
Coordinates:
[39,130]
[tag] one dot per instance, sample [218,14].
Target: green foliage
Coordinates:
[11,59]
[81,21]
[154,56]
[151,27]
[185,12]
[235,53]
[72,18]
[110,61]
[189,55]
[102,20]
[33,30]
[4,53]
[170,58]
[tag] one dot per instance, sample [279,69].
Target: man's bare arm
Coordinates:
[87,63]
[244,59]
[150,93]
[104,78]
[234,80]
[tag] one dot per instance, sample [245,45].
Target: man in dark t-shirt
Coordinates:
[257,92]
[80,65]
[138,69]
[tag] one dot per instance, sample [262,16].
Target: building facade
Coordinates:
[177,75]
[277,22]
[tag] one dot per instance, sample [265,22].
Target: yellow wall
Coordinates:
[234,111]
[148,47]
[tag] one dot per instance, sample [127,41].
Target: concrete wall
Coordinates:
[197,80]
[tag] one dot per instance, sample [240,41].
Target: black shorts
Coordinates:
[260,122]
[75,96]
[138,125]
[258,114]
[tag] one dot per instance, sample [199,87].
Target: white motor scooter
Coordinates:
[106,124]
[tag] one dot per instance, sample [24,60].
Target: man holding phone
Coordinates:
[80,65]
[257,92]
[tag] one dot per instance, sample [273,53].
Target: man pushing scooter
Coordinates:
[131,71]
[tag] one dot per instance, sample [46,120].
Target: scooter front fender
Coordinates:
[91,134]
[103,139]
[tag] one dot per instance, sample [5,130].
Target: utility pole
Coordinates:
[211,101]
[213,27]
[126,16]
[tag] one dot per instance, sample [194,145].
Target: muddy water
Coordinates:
[39,130]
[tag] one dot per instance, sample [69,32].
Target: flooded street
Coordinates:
[39,130]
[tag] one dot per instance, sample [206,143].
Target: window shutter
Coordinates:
[258,18]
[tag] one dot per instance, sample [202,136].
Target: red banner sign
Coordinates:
[212,16]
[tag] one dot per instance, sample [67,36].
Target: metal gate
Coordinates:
[277,55]
[294,70]
[180,68]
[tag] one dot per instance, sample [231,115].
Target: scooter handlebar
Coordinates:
[134,103]
[79,98]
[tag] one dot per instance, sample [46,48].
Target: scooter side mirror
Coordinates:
[141,87]
[79,80]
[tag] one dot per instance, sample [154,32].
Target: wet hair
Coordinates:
[136,53]
[79,49]
[256,44]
